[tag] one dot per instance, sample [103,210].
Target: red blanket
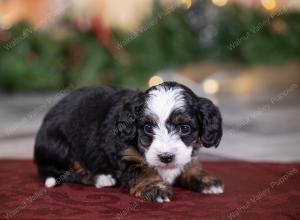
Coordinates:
[252,191]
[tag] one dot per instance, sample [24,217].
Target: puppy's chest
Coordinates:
[169,175]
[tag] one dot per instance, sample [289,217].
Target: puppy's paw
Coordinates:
[104,181]
[152,191]
[157,193]
[211,185]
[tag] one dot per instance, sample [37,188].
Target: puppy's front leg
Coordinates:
[196,179]
[142,181]
[149,186]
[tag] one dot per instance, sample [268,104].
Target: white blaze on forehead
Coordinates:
[162,101]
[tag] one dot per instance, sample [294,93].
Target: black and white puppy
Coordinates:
[142,141]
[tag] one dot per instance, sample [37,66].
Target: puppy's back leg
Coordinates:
[53,177]
[52,156]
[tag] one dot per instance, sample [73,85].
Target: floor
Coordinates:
[252,191]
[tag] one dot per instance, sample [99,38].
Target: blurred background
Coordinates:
[242,54]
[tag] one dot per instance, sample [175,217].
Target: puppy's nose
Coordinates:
[166,157]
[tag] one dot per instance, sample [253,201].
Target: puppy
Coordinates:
[143,141]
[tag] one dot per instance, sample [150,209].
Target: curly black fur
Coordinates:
[93,126]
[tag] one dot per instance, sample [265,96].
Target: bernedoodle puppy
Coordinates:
[143,141]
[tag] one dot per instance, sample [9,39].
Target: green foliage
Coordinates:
[35,60]
[21,68]
[256,39]
[39,61]
[165,41]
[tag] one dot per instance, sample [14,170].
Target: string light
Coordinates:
[211,86]
[269,4]
[219,3]
[155,80]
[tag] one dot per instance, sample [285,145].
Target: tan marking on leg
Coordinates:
[195,178]
[82,174]
[132,154]
[190,171]
[149,185]
[206,179]
[150,178]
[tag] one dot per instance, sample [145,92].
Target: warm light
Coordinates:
[220,3]
[279,26]
[269,4]
[211,86]
[245,83]
[155,80]
[187,3]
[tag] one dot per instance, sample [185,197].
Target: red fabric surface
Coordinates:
[252,191]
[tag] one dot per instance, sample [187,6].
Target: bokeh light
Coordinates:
[219,3]
[269,4]
[187,3]
[211,86]
[155,80]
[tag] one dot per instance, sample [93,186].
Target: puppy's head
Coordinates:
[171,122]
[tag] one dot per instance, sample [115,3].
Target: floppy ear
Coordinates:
[126,121]
[210,121]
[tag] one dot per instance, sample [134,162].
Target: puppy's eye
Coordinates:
[148,128]
[184,129]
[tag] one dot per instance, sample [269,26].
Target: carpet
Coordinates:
[252,191]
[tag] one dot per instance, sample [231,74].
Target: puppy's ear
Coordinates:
[210,122]
[126,122]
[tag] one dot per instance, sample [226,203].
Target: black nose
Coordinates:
[166,157]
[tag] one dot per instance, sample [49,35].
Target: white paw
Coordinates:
[160,199]
[104,181]
[213,190]
[50,182]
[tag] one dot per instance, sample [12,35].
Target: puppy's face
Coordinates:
[174,122]
[167,130]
